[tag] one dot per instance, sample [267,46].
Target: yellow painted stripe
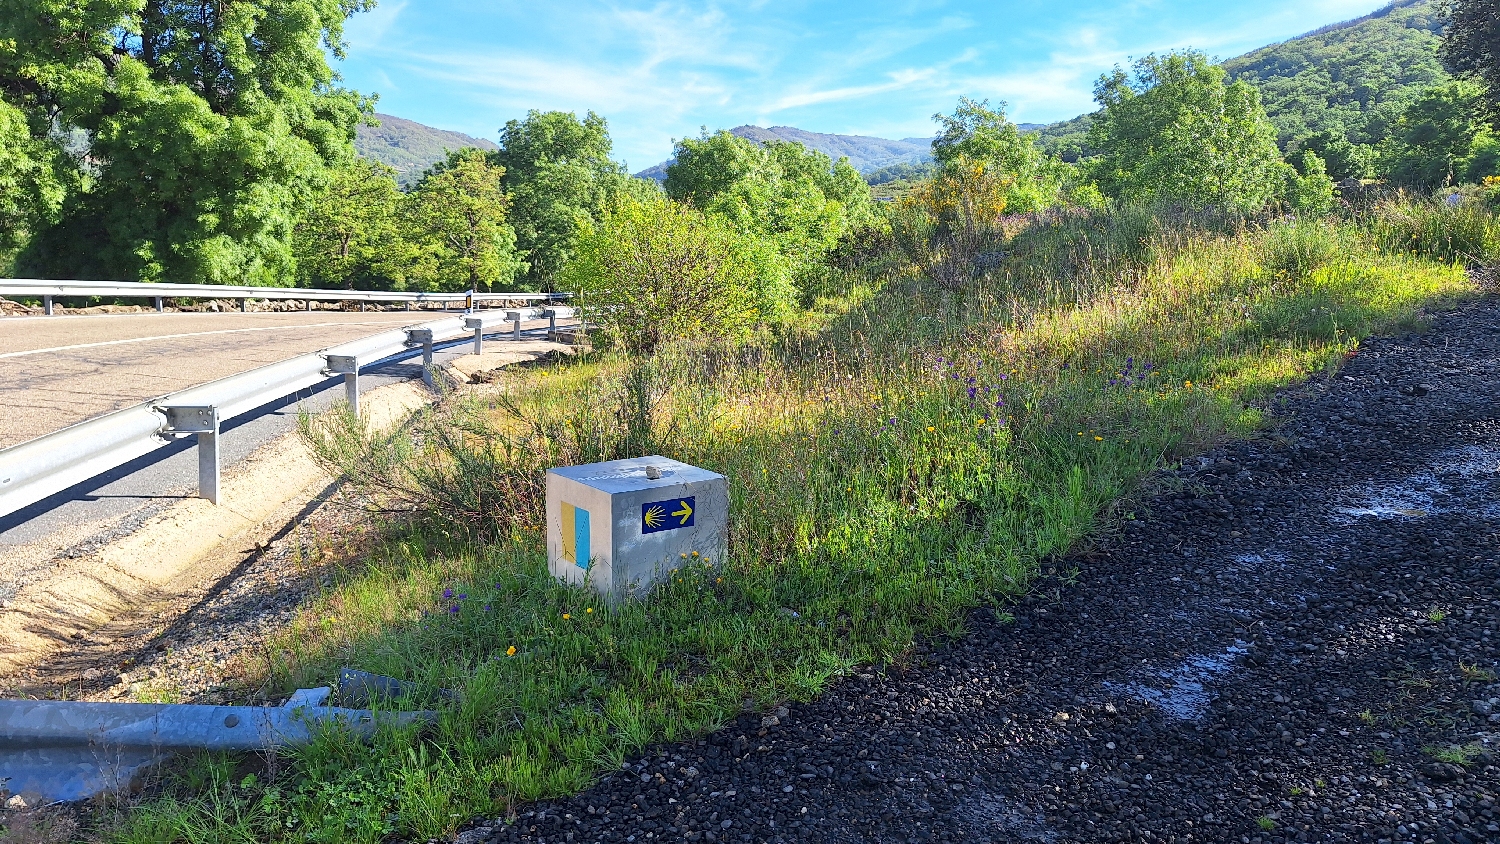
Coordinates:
[570,533]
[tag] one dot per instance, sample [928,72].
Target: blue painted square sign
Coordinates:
[671,514]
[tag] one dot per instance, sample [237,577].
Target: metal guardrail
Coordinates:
[49,290]
[72,750]
[38,468]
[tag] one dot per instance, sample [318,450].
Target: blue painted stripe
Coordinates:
[581,538]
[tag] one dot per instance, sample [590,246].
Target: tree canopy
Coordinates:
[1471,46]
[204,128]
[1172,130]
[559,176]
[977,135]
[795,202]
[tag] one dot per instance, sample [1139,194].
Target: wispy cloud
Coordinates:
[659,69]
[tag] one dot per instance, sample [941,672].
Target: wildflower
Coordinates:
[486,607]
[931,429]
[566,616]
[718,580]
[453,610]
[447,594]
[1188,384]
[695,553]
[589,610]
[981,422]
[510,651]
[1098,439]
[463,596]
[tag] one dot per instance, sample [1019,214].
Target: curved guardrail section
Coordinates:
[36,469]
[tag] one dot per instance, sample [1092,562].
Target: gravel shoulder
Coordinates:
[1297,638]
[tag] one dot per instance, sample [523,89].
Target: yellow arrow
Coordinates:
[686,512]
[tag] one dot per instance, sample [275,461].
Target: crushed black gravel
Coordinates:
[1295,641]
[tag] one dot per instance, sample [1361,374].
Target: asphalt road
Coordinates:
[49,385]
[64,369]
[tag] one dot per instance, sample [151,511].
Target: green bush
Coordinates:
[654,270]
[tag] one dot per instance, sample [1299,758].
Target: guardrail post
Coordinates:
[422,337]
[478,325]
[348,366]
[47,305]
[158,304]
[306,304]
[244,305]
[203,421]
[552,325]
[515,319]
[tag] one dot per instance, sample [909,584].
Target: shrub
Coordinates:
[655,270]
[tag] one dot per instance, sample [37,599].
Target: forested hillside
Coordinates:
[1350,78]
[410,147]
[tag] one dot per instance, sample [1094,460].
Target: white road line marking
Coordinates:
[179,336]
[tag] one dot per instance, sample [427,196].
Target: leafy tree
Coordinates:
[1433,136]
[1172,130]
[1484,163]
[1471,46]
[1342,159]
[456,220]
[976,135]
[1309,188]
[205,125]
[797,203]
[351,235]
[34,179]
[560,176]
[652,270]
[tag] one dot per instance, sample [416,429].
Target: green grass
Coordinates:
[873,501]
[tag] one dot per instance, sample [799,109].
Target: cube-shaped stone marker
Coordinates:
[621,526]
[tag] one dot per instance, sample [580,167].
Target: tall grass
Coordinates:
[1466,233]
[926,450]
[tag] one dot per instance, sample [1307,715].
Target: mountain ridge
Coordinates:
[410,147]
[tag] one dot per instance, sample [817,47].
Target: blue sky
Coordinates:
[661,70]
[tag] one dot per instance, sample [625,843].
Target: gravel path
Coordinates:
[1296,641]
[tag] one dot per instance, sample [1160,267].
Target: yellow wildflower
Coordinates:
[510,651]
[566,616]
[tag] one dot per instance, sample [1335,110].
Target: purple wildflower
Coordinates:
[447,594]
[453,609]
